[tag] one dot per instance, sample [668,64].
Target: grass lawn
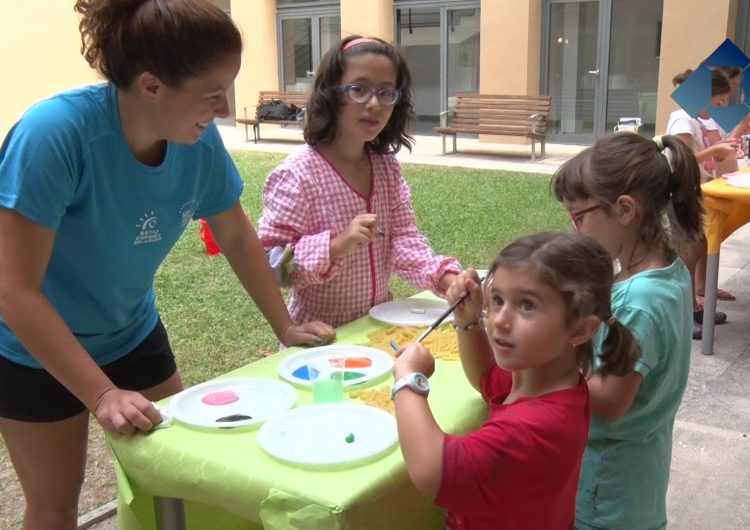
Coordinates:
[214,327]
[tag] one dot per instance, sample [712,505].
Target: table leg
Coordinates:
[170,513]
[709,304]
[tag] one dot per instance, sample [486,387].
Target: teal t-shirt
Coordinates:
[625,470]
[66,166]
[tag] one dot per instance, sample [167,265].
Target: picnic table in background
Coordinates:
[225,480]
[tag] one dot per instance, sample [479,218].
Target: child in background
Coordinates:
[696,135]
[546,295]
[341,203]
[716,133]
[616,192]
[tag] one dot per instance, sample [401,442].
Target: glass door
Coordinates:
[442,46]
[462,62]
[633,66]
[303,40]
[600,65]
[418,34]
[573,72]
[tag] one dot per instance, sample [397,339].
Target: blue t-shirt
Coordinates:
[66,166]
[625,470]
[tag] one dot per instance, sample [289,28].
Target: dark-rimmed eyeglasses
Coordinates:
[577,217]
[362,94]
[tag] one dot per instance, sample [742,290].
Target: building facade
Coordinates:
[599,60]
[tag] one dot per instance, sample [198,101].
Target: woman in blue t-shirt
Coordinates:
[96,186]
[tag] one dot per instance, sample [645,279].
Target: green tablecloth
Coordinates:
[228,482]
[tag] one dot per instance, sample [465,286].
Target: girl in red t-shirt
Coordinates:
[545,296]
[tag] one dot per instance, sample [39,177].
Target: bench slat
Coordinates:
[298,99]
[499,115]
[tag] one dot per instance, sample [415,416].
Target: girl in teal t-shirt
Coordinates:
[617,192]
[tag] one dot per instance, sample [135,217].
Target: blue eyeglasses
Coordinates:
[363,94]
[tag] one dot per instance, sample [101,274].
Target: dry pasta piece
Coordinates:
[441,342]
[379,397]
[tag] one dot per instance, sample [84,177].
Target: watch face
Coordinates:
[421,382]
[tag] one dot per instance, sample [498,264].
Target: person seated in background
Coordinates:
[695,133]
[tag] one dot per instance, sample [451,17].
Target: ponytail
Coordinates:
[686,196]
[620,350]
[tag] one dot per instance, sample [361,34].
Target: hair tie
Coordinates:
[659,143]
[611,320]
[358,40]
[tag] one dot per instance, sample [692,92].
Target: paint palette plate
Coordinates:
[334,434]
[738,179]
[362,364]
[411,312]
[226,403]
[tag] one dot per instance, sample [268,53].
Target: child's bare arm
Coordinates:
[612,396]
[473,345]
[420,437]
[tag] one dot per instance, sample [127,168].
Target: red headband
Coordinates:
[359,40]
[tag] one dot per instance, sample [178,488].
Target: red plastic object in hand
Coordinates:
[208,238]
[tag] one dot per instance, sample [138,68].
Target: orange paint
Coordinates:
[358,362]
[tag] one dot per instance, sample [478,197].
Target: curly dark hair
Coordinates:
[326,97]
[173,39]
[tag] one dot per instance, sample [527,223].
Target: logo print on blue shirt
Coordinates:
[149,231]
[186,212]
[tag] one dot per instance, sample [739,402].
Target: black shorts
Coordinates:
[33,395]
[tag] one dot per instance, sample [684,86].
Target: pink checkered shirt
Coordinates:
[306,203]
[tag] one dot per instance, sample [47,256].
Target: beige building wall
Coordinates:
[691,30]
[40,51]
[40,47]
[260,67]
[510,44]
[372,18]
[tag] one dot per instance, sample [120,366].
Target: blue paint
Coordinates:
[303,373]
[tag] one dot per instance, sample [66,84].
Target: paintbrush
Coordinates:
[445,314]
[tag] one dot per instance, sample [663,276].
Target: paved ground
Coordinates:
[710,481]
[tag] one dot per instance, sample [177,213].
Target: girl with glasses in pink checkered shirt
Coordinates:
[341,203]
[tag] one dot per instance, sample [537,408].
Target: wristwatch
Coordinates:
[415,382]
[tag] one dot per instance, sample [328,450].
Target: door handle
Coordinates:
[594,72]
[310,73]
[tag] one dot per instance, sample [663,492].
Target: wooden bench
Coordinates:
[298,99]
[498,115]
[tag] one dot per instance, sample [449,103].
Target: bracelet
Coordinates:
[467,327]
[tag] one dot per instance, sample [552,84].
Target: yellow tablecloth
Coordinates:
[727,209]
[229,482]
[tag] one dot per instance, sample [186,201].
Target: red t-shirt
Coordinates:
[520,469]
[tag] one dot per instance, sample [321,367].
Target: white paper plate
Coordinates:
[294,369]
[738,179]
[413,312]
[336,434]
[258,398]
